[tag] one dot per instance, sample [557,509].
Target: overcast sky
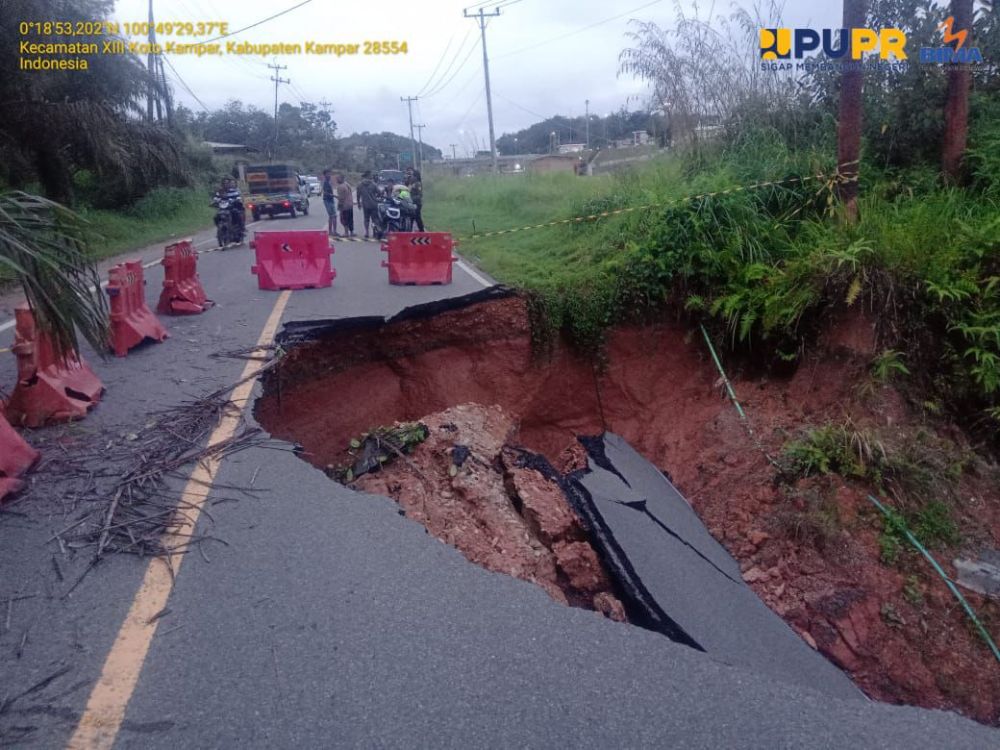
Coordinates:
[544,60]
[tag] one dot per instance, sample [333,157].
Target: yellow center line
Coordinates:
[102,718]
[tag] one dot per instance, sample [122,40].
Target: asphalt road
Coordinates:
[322,618]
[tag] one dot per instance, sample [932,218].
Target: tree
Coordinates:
[903,119]
[956,109]
[850,117]
[58,122]
[42,245]
[707,71]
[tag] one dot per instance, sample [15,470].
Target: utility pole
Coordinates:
[278,80]
[167,101]
[587,117]
[486,72]
[151,66]
[324,107]
[413,144]
[453,147]
[420,137]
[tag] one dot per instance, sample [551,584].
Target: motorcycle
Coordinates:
[229,225]
[394,214]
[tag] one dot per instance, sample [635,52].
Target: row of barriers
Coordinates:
[60,387]
[55,388]
[301,259]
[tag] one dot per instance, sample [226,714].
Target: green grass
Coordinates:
[761,268]
[532,258]
[163,214]
[919,470]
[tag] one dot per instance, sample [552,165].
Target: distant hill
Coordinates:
[366,150]
[538,139]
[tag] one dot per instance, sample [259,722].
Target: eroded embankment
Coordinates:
[896,631]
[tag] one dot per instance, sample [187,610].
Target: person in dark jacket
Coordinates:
[328,202]
[368,193]
[416,186]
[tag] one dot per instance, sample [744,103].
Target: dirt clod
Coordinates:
[466,487]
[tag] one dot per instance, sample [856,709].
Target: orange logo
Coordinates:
[953,36]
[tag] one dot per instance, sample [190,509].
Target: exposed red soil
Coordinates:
[896,630]
[502,515]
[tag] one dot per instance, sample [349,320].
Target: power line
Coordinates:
[536,114]
[469,110]
[182,83]
[303,96]
[578,31]
[458,70]
[441,60]
[500,4]
[438,66]
[258,23]
[437,85]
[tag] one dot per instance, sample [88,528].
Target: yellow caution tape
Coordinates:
[830,180]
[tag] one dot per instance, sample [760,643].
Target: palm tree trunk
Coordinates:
[849,119]
[956,108]
[53,173]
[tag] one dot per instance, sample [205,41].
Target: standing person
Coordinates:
[368,193]
[331,210]
[345,200]
[416,186]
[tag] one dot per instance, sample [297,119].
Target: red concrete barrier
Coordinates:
[182,292]
[293,259]
[131,320]
[49,388]
[16,457]
[419,257]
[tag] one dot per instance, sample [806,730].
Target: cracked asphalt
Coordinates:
[323,618]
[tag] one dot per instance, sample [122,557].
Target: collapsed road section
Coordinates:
[607,532]
[719,574]
[682,579]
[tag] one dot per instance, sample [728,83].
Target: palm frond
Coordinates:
[42,245]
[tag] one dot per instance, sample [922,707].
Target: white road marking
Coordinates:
[473,273]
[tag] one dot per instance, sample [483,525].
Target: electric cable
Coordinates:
[461,48]
[258,23]
[444,85]
[184,84]
[577,31]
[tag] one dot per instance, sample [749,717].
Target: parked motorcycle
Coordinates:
[394,214]
[229,219]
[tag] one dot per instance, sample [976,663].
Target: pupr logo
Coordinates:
[775,44]
[785,44]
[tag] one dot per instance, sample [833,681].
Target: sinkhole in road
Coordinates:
[502,422]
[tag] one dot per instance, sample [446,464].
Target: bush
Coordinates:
[762,267]
[983,156]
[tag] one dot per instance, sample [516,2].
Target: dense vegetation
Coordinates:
[306,136]
[603,130]
[764,268]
